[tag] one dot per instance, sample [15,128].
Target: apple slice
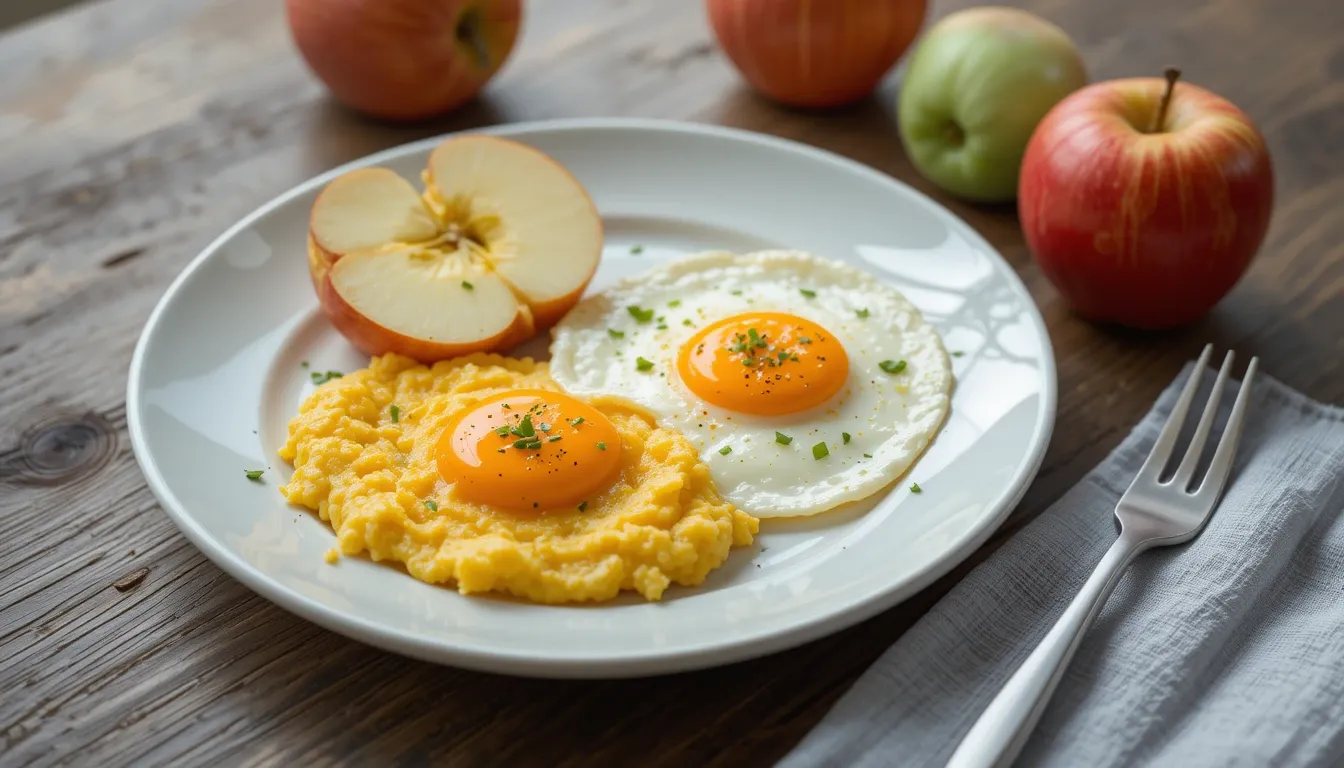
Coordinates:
[501,244]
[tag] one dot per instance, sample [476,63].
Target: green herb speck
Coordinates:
[394,412]
[808,293]
[254,474]
[615,334]
[431,505]
[892,366]
[845,437]
[862,313]
[782,438]
[914,488]
[643,364]
[468,286]
[725,450]
[639,313]
[820,451]
[636,249]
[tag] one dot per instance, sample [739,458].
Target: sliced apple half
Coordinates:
[499,246]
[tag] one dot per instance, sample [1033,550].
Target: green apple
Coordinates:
[975,88]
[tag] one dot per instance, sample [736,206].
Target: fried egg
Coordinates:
[804,383]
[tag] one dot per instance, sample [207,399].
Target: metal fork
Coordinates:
[1153,513]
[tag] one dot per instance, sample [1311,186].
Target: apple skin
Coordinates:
[1145,230]
[815,53]
[404,60]
[977,84]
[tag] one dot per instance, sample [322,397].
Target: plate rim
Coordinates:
[640,662]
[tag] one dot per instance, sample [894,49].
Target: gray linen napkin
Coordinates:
[1228,651]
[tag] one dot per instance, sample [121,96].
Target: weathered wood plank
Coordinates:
[133,131]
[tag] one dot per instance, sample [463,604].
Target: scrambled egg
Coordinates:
[369,451]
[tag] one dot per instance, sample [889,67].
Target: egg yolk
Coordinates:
[529,450]
[765,363]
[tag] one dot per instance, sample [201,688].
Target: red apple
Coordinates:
[1144,201]
[404,59]
[815,53]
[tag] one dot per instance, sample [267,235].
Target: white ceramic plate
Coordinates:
[216,375]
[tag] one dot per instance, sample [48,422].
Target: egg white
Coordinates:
[891,417]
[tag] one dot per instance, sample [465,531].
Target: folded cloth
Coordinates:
[1226,651]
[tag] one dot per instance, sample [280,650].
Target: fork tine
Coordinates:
[1166,441]
[1196,449]
[1223,456]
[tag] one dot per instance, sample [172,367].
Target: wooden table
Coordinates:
[133,131]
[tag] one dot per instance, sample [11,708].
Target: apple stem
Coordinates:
[469,34]
[1172,74]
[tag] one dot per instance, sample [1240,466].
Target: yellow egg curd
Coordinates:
[482,473]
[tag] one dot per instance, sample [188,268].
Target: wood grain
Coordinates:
[134,131]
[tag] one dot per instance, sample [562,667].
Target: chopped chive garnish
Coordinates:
[527,442]
[639,313]
[736,293]
[845,437]
[503,431]
[673,304]
[662,326]
[601,446]
[782,438]
[525,428]
[892,366]
[808,293]
[576,421]
[914,488]
[958,353]
[725,450]
[820,451]
[686,322]
[783,356]
[804,340]
[748,361]
[543,426]
[303,363]
[615,334]
[583,505]
[394,412]
[431,505]
[867,455]
[254,474]
[322,378]
[862,313]
[636,249]
[552,438]
[468,286]
[642,364]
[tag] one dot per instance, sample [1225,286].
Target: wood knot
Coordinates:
[62,449]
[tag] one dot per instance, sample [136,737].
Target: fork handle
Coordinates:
[1002,730]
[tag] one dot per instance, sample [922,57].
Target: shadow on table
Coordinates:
[339,135]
